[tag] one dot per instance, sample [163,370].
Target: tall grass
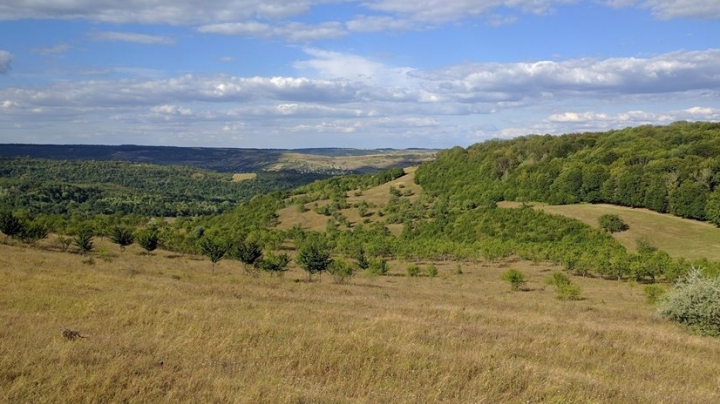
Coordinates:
[232,337]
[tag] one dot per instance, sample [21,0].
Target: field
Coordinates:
[163,328]
[677,236]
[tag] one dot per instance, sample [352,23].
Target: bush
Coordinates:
[653,293]
[413,270]
[695,302]
[432,271]
[612,223]
[564,287]
[378,267]
[340,270]
[514,277]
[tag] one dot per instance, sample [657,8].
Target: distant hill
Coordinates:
[231,160]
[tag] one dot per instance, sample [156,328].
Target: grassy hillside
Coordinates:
[162,328]
[678,237]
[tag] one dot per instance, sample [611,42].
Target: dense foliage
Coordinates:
[670,169]
[113,187]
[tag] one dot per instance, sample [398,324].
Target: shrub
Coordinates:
[378,266]
[564,287]
[653,293]
[274,264]
[694,302]
[612,223]
[432,271]
[514,277]
[413,270]
[340,270]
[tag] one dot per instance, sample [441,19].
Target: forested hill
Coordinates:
[670,169]
[231,160]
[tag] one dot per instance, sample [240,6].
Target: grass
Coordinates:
[678,237]
[243,177]
[232,337]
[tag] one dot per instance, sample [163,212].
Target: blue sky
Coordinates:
[346,73]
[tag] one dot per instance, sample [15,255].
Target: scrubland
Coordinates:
[163,328]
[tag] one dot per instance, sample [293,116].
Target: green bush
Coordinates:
[340,270]
[378,267]
[514,277]
[612,223]
[564,287]
[413,270]
[653,293]
[694,302]
[432,271]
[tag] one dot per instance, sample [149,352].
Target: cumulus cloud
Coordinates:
[666,73]
[357,96]
[132,37]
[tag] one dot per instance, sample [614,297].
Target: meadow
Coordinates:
[164,328]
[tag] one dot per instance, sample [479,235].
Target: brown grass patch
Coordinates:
[244,177]
[237,338]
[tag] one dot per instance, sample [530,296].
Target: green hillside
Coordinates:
[669,169]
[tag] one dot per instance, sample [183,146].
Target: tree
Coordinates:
[214,249]
[514,277]
[83,239]
[275,264]
[33,232]
[122,236]
[10,225]
[612,223]
[340,270]
[148,240]
[247,252]
[313,258]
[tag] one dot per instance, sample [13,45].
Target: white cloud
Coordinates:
[5,60]
[174,12]
[294,32]
[132,37]
[699,9]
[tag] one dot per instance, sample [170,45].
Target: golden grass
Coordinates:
[231,337]
[244,177]
[677,236]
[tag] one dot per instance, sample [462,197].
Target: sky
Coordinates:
[347,73]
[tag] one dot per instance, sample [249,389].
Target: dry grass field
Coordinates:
[163,328]
[678,237]
[243,177]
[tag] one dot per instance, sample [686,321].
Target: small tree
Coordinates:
[313,258]
[361,259]
[695,302]
[274,264]
[33,232]
[514,277]
[340,270]
[122,236]
[214,249]
[247,252]
[10,225]
[83,239]
[148,239]
[612,223]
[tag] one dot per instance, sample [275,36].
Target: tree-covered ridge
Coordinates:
[669,169]
[114,187]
